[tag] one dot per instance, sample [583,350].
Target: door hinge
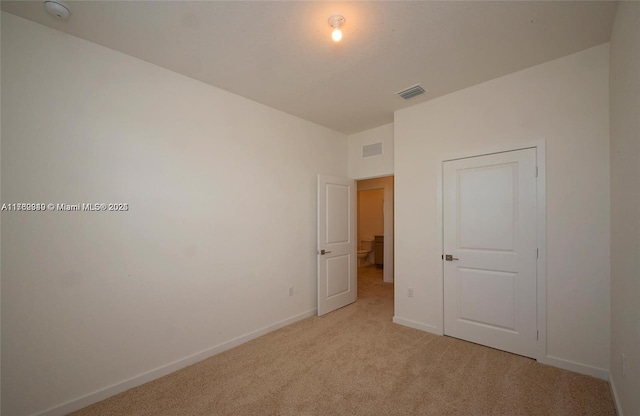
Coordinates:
[536,171]
[537,253]
[537,335]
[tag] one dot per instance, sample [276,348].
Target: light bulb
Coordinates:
[335,21]
[336,35]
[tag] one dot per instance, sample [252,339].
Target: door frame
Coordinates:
[541,228]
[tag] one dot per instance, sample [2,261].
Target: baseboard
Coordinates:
[548,359]
[575,367]
[417,325]
[119,387]
[614,393]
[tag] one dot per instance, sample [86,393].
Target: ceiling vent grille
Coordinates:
[372,150]
[411,92]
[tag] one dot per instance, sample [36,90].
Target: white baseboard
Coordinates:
[124,385]
[548,359]
[418,325]
[575,367]
[614,393]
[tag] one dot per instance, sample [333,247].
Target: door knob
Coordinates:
[322,252]
[449,257]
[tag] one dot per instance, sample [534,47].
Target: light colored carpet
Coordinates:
[355,361]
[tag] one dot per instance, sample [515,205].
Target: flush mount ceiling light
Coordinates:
[335,21]
[58,8]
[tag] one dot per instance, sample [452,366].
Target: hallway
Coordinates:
[372,290]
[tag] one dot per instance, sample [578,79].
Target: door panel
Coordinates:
[337,206]
[336,243]
[487,218]
[338,280]
[490,232]
[478,285]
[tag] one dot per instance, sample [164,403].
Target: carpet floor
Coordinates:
[355,361]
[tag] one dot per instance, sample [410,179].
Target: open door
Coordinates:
[336,243]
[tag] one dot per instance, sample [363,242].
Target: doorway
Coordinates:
[371,228]
[337,275]
[375,225]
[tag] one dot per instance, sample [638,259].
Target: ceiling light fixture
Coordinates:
[58,8]
[335,21]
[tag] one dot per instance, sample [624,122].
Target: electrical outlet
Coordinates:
[410,292]
[623,362]
[291,291]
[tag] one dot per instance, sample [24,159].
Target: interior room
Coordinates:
[160,171]
[375,226]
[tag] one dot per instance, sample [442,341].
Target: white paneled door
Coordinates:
[490,294]
[336,243]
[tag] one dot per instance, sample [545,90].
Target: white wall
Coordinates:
[222,197]
[374,166]
[565,103]
[625,206]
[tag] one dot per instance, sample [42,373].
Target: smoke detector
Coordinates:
[58,8]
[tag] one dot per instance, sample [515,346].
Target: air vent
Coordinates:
[372,150]
[411,92]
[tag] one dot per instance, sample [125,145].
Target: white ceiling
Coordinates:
[280,53]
